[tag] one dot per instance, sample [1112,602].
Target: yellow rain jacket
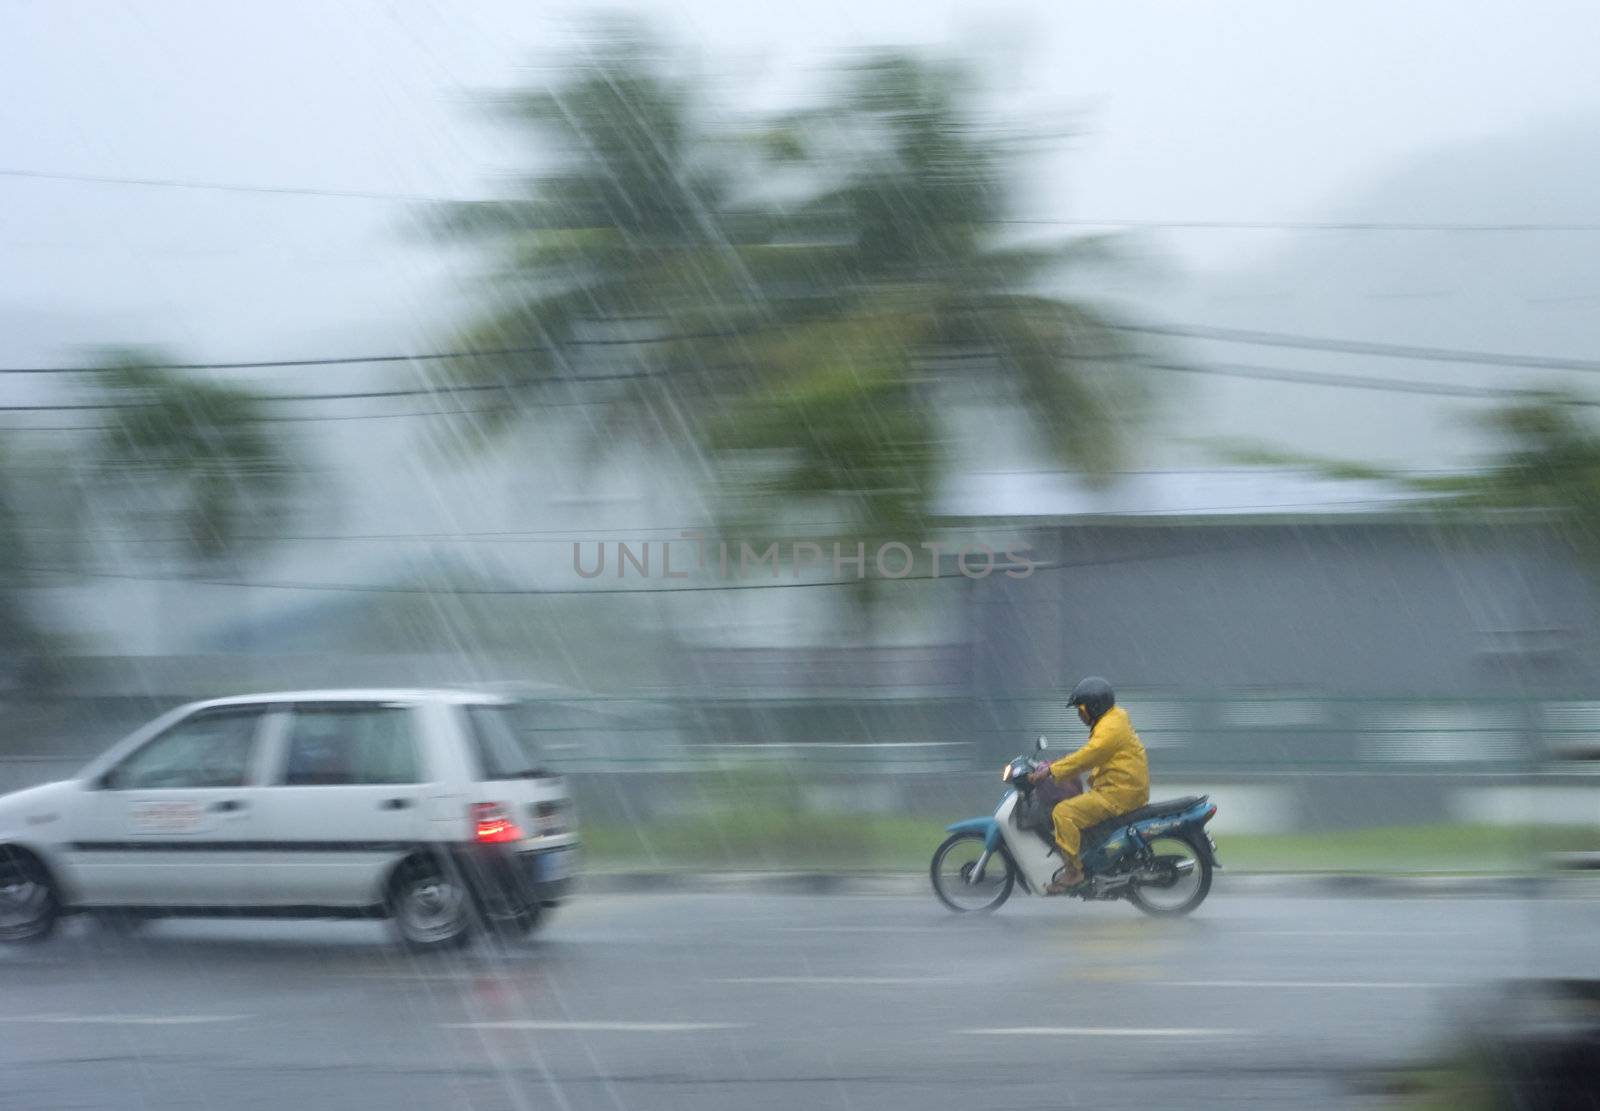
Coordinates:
[1120,781]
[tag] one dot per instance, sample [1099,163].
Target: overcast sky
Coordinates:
[1186,110]
[1180,111]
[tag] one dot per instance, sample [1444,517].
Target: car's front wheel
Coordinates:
[28,903]
[431,907]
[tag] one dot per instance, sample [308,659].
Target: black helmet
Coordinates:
[1095,695]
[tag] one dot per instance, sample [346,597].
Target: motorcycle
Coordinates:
[1159,857]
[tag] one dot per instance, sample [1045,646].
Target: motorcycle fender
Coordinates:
[1203,844]
[986,826]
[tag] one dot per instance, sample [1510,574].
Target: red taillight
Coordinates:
[493,824]
[1212,813]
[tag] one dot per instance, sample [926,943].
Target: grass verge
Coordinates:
[746,840]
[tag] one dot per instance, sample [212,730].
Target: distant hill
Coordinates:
[1533,292]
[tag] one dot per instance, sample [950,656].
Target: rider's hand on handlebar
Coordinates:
[1039,775]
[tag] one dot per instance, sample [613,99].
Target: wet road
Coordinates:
[661,1002]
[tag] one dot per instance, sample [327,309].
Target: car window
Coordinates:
[209,749]
[505,741]
[346,745]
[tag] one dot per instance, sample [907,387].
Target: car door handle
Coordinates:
[226,805]
[396,804]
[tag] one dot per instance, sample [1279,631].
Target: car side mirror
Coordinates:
[1041,744]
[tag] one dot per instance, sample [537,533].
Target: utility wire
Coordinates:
[1254,373]
[1000,566]
[1308,225]
[1362,347]
[357,360]
[1186,331]
[1516,227]
[224,187]
[1356,382]
[359,588]
[440,390]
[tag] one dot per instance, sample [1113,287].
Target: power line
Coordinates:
[353,360]
[318,419]
[1254,373]
[1513,227]
[1362,347]
[359,588]
[265,420]
[1354,382]
[224,187]
[350,395]
[1310,225]
[1186,331]
[414,357]
[999,567]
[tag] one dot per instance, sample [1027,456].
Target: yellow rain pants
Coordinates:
[1115,759]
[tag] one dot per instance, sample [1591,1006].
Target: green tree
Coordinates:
[187,452]
[621,254]
[915,299]
[1550,461]
[811,351]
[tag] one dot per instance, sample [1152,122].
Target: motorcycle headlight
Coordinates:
[1005,774]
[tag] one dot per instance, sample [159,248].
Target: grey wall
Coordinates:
[1360,610]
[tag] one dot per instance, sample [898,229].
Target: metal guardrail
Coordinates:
[1248,733]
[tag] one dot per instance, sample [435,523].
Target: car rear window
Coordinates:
[505,741]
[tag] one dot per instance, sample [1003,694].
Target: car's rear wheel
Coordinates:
[431,906]
[28,903]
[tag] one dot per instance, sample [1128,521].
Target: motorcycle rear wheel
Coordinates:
[952,864]
[1190,893]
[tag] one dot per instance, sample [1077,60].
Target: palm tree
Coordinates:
[1551,462]
[809,352]
[622,254]
[920,299]
[187,451]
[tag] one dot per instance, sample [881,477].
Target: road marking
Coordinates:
[618,1027]
[1102,1032]
[1398,985]
[453,977]
[831,980]
[860,929]
[118,1020]
[1337,933]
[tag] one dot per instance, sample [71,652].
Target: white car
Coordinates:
[430,807]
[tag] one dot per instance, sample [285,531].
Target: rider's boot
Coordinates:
[1065,880]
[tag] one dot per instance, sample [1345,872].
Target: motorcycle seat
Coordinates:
[1101,830]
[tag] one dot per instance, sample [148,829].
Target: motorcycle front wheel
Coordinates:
[951,872]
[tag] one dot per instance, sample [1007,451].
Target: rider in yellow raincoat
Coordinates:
[1115,759]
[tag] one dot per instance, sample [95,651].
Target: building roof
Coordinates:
[1253,492]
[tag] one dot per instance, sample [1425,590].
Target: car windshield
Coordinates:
[506,743]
